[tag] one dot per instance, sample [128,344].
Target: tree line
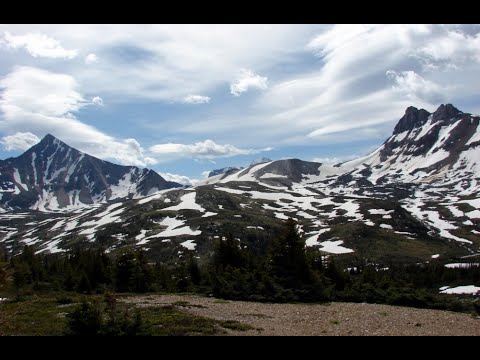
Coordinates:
[284,271]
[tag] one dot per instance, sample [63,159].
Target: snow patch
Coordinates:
[187,201]
[380,211]
[333,247]
[272,176]
[189,244]
[466,289]
[461,265]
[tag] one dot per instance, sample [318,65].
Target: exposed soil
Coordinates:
[321,319]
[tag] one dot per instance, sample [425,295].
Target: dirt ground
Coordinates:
[340,319]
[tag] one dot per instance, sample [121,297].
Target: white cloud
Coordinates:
[39,45]
[181,179]
[416,87]
[91,59]
[45,102]
[247,79]
[39,91]
[205,174]
[448,49]
[329,81]
[348,90]
[168,62]
[207,149]
[19,141]
[196,99]
[97,100]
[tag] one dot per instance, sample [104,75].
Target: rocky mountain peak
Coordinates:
[446,112]
[51,175]
[412,119]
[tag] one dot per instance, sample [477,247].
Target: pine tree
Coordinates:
[287,259]
[125,272]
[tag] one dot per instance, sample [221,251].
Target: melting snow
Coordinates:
[187,201]
[455,211]
[461,265]
[189,244]
[475,214]
[333,247]
[313,240]
[379,211]
[156,196]
[272,176]
[141,236]
[436,256]
[467,289]
[208,214]
[174,229]
[255,227]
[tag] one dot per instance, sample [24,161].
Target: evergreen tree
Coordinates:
[194,270]
[287,259]
[125,267]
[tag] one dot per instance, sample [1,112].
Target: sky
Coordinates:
[187,99]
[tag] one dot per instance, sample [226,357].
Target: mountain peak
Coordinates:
[260,161]
[446,112]
[412,119]
[49,137]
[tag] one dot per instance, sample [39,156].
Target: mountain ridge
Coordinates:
[51,175]
[415,198]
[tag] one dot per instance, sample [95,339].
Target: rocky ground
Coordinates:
[322,319]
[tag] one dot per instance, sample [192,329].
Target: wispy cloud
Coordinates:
[196,99]
[39,45]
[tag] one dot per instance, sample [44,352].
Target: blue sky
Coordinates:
[186,99]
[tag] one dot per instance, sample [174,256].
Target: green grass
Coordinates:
[33,316]
[235,325]
[45,315]
[384,246]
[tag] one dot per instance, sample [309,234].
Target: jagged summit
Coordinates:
[51,175]
[416,197]
[446,112]
[412,119]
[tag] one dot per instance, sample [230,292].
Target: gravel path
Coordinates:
[328,319]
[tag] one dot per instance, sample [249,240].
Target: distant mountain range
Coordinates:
[52,175]
[415,198]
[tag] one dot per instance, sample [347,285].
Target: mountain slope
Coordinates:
[52,175]
[413,199]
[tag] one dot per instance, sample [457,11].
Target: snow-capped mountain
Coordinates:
[52,175]
[440,147]
[415,198]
